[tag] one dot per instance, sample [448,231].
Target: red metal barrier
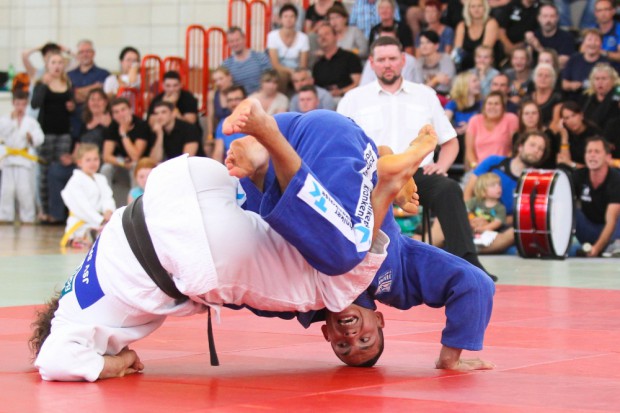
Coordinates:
[217,47]
[239,15]
[134,97]
[197,64]
[260,24]
[178,65]
[151,78]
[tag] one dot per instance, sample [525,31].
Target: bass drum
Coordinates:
[544,214]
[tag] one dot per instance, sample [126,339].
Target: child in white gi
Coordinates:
[89,199]
[20,134]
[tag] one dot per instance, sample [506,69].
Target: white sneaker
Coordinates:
[612,250]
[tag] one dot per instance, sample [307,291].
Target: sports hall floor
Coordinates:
[554,336]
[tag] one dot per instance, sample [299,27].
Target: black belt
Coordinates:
[136,231]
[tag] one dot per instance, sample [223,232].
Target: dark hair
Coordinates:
[497,93]
[50,47]
[599,138]
[572,106]
[548,4]
[385,41]
[172,74]
[269,74]
[309,88]
[42,325]
[539,126]
[87,115]
[20,94]
[371,362]
[523,137]
[235,88]
[126,50]
[235,29]
[431,36]
[288,7]
[161,103]
[338,9]
[120,101]
[323,23]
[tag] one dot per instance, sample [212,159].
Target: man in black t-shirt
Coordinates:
[597,187]
[338,70]
[519,18]
[126,140]
[184,103]
[173,136]
[549,35]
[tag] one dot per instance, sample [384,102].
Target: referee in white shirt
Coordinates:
[392,111]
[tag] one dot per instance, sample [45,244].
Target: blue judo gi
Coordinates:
[335,159]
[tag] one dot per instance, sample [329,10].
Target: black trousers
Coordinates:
[444,197]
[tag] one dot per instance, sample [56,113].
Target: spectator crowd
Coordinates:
[516,87]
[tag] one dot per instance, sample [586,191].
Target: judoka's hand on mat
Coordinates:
[450,359]
[125,362]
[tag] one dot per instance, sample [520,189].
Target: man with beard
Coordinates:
[391,110]
[530,150]
[549,35]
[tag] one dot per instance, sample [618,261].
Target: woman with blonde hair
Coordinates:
[600,102]
[477,28]
[216,103]
[465,99]
[54,97]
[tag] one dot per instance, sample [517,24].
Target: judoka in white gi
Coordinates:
[88,197]
[19,136]
[215,252]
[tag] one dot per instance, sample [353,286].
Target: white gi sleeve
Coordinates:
[107,197]
[35,131]
[68,355]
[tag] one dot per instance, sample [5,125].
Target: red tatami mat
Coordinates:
[556,350]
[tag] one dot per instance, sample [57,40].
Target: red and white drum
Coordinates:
[544,214]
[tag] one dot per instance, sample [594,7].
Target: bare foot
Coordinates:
[250,118]
[247,158]
[408,199]
[465,365]
[395,171]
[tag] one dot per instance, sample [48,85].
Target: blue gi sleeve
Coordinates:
[431,276]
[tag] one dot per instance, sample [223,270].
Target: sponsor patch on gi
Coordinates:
[241,195]
[315,196]
[385,283]
[370,156]
[87,288]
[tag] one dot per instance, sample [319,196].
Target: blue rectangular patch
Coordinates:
[87,288]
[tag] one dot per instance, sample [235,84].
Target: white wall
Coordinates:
[152,26]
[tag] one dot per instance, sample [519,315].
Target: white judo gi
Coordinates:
[87,198]
[18,163]
[217,254]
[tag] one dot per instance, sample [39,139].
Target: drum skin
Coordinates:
[532,224]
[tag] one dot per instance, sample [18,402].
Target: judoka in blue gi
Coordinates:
[413,273]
